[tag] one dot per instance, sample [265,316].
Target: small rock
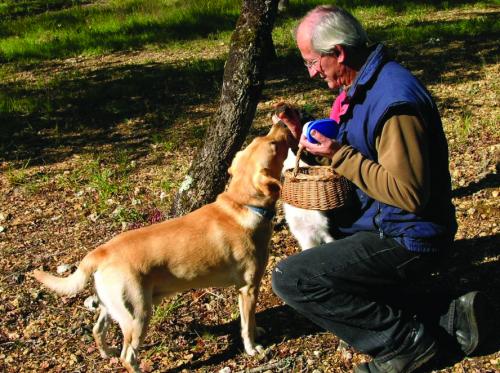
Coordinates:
[225,370]
[93,217]
[2,229]
[317,353]
[19,278]
[91,303]
[346,355]
[16,302]
[73,359]
[36,295]
[117,211]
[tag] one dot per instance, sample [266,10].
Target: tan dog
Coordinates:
[222,244]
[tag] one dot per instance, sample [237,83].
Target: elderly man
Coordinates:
[392,147]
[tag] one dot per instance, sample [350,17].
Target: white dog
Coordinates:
[310,227]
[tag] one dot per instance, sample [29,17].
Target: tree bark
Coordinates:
[241,88]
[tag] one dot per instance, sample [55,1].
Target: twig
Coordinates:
[279,364]
[198,298]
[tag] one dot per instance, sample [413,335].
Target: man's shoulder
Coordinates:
[394,73]
[397,83]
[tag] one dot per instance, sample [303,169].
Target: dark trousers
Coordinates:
[357,288]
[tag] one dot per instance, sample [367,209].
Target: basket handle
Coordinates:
[297,161]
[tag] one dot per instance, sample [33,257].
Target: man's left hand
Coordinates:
[325,147]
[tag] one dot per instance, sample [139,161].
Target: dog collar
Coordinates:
[269,214]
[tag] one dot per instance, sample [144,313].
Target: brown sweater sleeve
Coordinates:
[401,175]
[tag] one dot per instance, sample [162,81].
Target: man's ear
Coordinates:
[340,53]
[267,185]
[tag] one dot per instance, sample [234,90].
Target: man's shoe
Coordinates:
[467,320]
[417,350]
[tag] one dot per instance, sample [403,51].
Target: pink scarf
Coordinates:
[339,108]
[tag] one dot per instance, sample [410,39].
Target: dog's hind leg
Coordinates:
[99,331]
[113,290]
[134,330]
[247,301]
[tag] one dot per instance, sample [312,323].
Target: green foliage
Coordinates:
[19,176]
[11,9]
[396,21]
[31,182]
[128,215]
[162,311]
[113,25]
[464,126]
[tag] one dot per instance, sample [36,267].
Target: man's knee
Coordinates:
[284,279]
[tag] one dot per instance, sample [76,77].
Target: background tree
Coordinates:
[241,88]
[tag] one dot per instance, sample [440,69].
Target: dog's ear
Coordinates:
[233,163]
[266,184]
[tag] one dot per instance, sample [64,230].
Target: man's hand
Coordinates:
[291,119]
[325,147]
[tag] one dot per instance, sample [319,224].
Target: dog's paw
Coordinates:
[109,353]
[254,350]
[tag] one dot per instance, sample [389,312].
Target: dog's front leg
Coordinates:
[247,300]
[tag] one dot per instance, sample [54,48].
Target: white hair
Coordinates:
[334,26]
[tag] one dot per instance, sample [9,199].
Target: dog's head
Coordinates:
[256,170]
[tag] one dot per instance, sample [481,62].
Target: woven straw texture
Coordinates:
[314,187]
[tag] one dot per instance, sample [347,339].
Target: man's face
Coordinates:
[328,67]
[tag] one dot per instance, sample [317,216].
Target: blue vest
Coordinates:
[382,88]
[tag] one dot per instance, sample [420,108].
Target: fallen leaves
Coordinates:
[57,222]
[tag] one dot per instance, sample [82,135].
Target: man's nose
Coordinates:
[312,71]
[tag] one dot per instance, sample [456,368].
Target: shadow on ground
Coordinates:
[489,181]
[468,269]
[75,114]
[78,111]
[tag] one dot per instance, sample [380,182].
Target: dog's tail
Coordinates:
[75,282]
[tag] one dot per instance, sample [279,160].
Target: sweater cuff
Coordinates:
[339,157]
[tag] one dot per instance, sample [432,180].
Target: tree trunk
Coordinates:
[283,5]
[241,88]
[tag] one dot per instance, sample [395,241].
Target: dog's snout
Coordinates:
[279,131]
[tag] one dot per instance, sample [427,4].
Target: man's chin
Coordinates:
[332,85]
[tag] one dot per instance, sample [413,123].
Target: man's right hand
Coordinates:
[291,118]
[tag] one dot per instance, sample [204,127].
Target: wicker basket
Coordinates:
[314,187]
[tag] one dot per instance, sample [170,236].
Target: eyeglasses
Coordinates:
[310,64]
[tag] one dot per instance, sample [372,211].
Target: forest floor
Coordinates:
[127,125]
